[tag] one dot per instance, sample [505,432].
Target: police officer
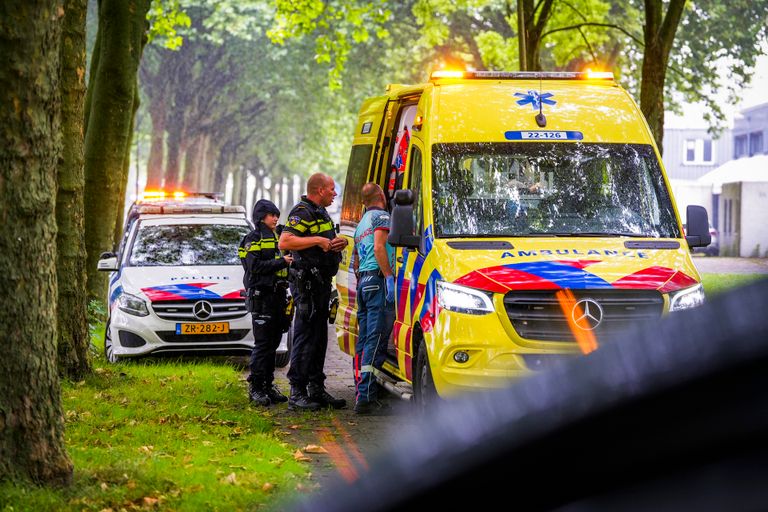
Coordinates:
[311,236]
[265,281]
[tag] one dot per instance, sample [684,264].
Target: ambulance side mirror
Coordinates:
[697,231]
[401,222]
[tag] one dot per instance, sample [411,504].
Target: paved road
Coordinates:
[709,265]
[352,441]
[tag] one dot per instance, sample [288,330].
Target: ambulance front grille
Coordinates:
[537,314]
[182,311]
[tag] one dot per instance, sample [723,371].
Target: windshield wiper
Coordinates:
[585,234]
[611,233]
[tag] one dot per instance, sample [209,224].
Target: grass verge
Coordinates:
[718,283]
[166,435]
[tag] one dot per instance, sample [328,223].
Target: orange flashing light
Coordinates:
[446,73]
[153,194]
[599,75]
[179,195]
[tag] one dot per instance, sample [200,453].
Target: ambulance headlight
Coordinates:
[686,298]
[132,305]
[461,299]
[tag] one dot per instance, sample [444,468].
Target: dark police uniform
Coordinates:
[311,276]
[266,282]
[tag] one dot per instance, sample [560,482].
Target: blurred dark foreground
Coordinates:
[672,417]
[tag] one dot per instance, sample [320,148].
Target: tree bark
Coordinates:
[659,34]
[70,269]
[119,216]
[157,111]
[31,423]
[192,157]
[122,27]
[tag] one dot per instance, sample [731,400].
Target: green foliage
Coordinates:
[336,24]
[165,17]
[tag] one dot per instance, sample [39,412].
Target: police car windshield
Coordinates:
[189,244]
[536,189]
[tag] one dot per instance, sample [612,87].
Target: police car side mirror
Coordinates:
[107,262]
[401,222]
[697,222]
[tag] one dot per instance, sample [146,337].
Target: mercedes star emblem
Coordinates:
[202,310]
[587,314]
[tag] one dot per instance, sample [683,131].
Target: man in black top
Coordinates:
[265,281]
[311,236]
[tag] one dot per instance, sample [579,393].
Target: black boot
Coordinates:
[274,394]
[325,399]
[259,396]
[299,400]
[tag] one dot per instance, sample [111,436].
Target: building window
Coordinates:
[740,146]
[697,151]
[755,143]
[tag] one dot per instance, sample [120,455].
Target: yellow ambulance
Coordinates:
[532,220]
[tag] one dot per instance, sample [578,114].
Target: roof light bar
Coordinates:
[524,75]
[446,73]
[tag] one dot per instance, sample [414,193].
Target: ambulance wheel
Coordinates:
[109,352]
[424,393]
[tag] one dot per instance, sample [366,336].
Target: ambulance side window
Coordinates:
[415,177]
[357,174]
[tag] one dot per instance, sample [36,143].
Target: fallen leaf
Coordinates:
[149,501]
[230,479]
[104,486]
[131,484]
[299,456]
[147,449]
[267,487]
[313,448]
[294,427]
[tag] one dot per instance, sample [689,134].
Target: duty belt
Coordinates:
[377,273]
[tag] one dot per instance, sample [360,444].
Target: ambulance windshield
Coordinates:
[550,189]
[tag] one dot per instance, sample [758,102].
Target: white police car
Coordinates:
[177,281]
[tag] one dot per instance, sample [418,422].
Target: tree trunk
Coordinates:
[119,216]
[157,112]
[122,27]
[659,33]
[242,197]
[70,268]
[175,129]
[31,423]
[192,164]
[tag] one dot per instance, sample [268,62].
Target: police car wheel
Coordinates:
[425,395]
[109,352]
[281,360]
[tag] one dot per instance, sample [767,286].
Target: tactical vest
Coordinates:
[266,249]
[319,225]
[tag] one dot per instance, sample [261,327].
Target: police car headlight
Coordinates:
[132,305]
[686,298]
[461,299]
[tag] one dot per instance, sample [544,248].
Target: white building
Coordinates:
[728,176]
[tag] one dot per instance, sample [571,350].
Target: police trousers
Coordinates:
[310,338]
[267,333]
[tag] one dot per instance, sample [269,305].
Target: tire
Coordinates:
[109,353]
[281,360]
[424,393]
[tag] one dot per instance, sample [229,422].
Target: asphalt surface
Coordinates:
[351,441]
[717,265]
